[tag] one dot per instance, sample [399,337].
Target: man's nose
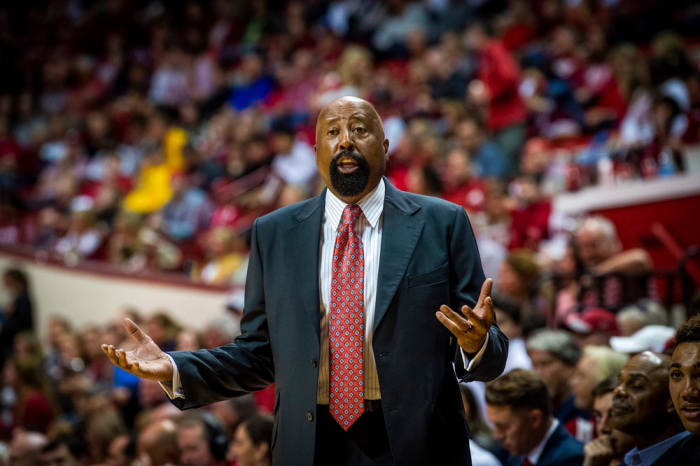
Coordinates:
[619,392]
[691,389]
[345,141]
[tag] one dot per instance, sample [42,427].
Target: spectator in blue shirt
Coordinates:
[486,156]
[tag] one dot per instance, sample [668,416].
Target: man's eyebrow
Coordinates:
[637,375]
[676,365]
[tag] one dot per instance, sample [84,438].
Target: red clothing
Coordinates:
[36,413]
[265,399]
[529,225]
[501,76]
[469,195]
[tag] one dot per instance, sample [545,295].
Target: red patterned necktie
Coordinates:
[346,323]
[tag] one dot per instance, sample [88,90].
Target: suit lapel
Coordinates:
[400,233]
[302,247]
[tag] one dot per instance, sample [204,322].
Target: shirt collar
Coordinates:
[654,452]
[535,453]
[372,205]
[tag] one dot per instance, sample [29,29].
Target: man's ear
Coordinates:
[386,148]
[535,418]
[315,150]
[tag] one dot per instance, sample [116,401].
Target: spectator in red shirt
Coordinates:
[460,186]
[496,90]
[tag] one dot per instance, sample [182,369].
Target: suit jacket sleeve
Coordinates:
[243,366]
[468,276]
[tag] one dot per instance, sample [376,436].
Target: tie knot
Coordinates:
[350,214]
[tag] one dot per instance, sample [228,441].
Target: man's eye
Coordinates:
[676,375]
[332,132]
[360,130]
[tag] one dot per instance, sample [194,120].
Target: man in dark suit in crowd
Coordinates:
[520,409]
[349,311]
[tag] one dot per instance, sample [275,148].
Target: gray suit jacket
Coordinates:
[428,257]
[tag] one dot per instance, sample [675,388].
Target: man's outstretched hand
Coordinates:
[146,360]
[470,329]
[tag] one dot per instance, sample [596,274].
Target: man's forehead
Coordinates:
[346,107]
[687,354]
[646,364]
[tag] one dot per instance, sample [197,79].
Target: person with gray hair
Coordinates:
[597,364]
[600,252]
[554,355]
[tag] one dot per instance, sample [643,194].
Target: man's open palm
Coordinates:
[146,360]
[471,328]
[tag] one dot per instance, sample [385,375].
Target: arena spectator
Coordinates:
[252,442]
[593,327]
[157,443]
[188,212]
[520,410]
[482,444]
[294,160]
[18,316]
[518,279]
[201,440]
[227,262]
[597,363]
[509,319]
[487,158]
[684,377]
[642,409]
[234,411]
[610,445]
[530,217]
[496,89]
[121,451]
[600,253]
[31,407]
[60,451]
[459,185]
[25,448]
[554,355]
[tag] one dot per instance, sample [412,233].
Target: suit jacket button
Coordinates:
[314,363]
[309,416]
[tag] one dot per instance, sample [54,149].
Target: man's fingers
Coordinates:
[461,323]
[451,326]
[482,314]
[121,358]
[485,292]
[109,351]
[135,332]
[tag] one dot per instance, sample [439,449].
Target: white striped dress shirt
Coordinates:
[369,227]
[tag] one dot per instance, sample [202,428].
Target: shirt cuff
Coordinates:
[174,389]
[470,364]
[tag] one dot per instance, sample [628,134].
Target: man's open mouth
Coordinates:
[691,411]
[347,165]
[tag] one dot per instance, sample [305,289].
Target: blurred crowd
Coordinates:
[149,135]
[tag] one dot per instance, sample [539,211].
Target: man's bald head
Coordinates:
[351,148]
